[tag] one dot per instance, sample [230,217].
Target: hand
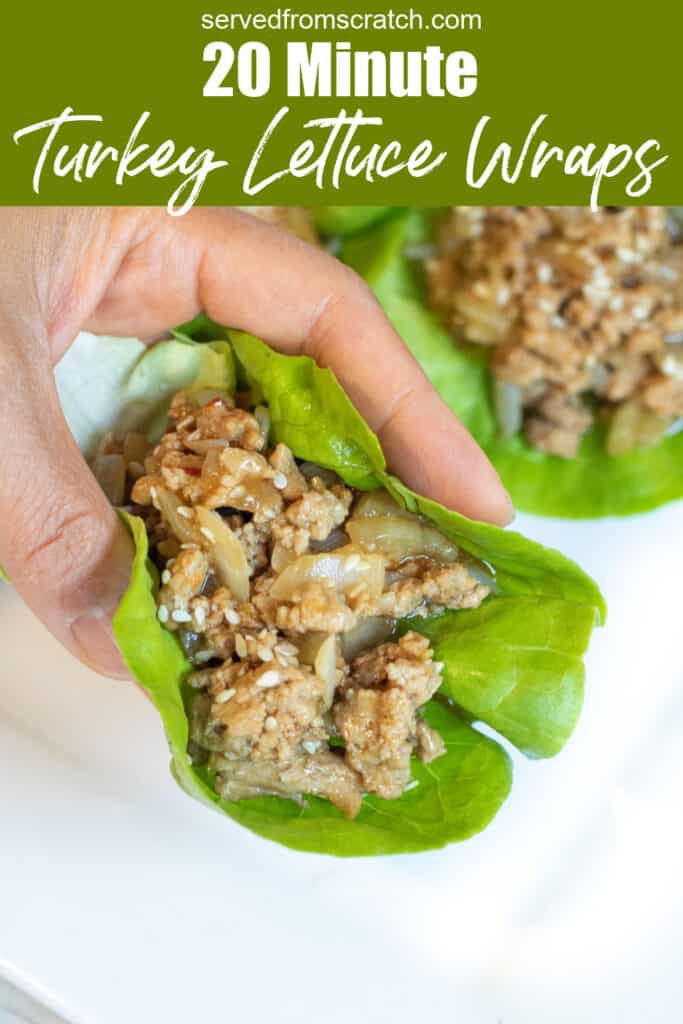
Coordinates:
[138,272]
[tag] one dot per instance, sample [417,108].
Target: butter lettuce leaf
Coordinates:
[343,221]
[121,384]
[532,650]
[591,485]
[453,798]
[514,663]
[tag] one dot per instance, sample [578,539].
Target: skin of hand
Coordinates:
[137,272]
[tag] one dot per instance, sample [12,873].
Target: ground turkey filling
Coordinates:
[284,587]
[585,313]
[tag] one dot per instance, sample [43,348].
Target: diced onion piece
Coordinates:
[309,645]
[202,447]
[399,538]
[262,417]
[311,469]
[326,666]
[632,426]
[225,552]
[110,471]
[320,651]
[135,447]
[344,568]
[368,633]
[507,400]
[380,503]
[240,463]
[336,539]
[183,528]
[282,557]
[480,571]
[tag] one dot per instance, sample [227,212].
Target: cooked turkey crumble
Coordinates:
[584,311]
[284,587]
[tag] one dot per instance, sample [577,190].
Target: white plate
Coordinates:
[122,900]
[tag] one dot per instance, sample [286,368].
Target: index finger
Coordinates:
[299,299]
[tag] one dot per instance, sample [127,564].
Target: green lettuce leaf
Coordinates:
[455,797]
[591,485]
[531,648]
[514,663]
[122,384]
[343,221]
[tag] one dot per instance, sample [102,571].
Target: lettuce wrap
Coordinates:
[591,485]
[514,663]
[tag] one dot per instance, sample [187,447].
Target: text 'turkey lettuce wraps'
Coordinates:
[572,380]
[318,639]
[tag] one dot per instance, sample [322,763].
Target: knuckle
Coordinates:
[347,302]
[403,403]
[58,547]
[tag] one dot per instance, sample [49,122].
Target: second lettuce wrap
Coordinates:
[591,485]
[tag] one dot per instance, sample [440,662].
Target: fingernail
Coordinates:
[95,645]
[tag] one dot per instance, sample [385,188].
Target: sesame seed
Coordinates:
[439,665]
[640,311]
[240,646]
[200,615]
[232,617]
[672,368]
[181,616]
[288,650]
[544,273]
[203,656]
[270,723]
[165,576]
[269,679]
[264,653]
[616,303]
[188,547]
[411,785]
[162,613]
[153,494]
[310,746]
[280,481]
[206,532]
[224,696]
[352,562]
[184,511]
[628,256]
[238,492]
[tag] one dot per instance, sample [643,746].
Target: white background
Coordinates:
[121,900]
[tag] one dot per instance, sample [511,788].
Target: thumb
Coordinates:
[63,546]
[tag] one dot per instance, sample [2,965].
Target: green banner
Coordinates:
[445,102]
